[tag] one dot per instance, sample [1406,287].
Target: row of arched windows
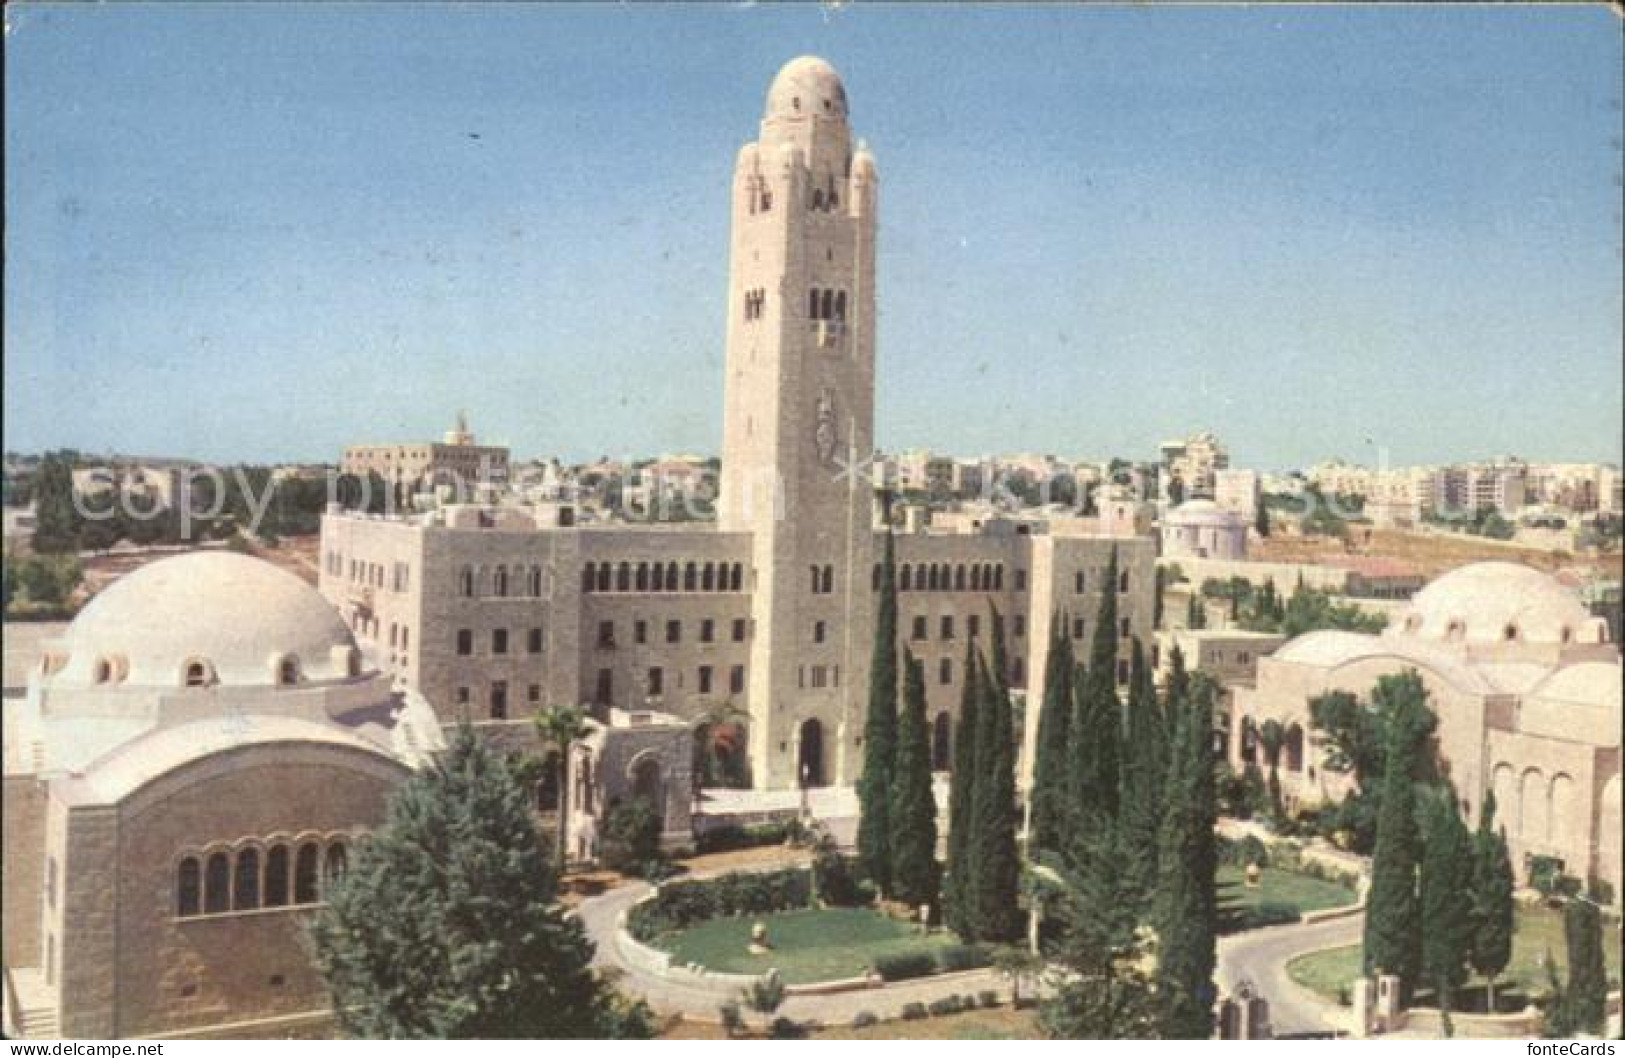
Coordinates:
[941,576]
[823,579]
[521,581]
[1538,809]
[653,576]
[282,875]
[825,199]
[826,304]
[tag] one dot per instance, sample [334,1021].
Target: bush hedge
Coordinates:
[905,965]
[678,905]
[913,1011]
[964,957]
[731,837]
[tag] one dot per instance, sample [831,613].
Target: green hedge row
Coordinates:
[678,905]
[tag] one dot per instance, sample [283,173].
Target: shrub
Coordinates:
[863,1019]
[1544,872]
[732,1020]
[756,835]
[631,835]
[1244,852]
[987,1000]
[905,965]
[1269,913]
[679,904]
[835,877]
[964,957]
[913,1011]
[765,994]
[785,1029]
[946,1005]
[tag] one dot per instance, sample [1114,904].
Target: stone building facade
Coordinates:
[492,612]
[456,464]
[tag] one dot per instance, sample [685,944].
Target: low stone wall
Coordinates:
[1521,1025]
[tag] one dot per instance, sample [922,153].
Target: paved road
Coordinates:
[1260,956]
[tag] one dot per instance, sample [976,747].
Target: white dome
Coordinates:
[247,622]
[1498,602]
[1202,512]
[807,87]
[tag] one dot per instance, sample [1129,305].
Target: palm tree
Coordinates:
[562,726]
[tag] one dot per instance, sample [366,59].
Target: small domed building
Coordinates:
[1526,686]
[1203,529]
[192,760]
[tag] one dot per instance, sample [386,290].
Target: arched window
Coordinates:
[103,671]
[812,304]
[976,578]
[335,863]
[920,574]
[245,881]
[671,576]
[959,577]
[736,577]
[534,587]
[708,577]
[828,305]
[691,575]
[998,577]
[840,305]
[502,582]
[276,876]
[304,874]
[932,579]
[812,574]
[287,669]
[903,578]
[640,580]
[188,887]
[587,579]
[829,579]
[1510,633]
[603,576]
[217,884]
[465,582]
[623,577]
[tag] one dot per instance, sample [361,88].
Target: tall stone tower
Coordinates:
[799,425]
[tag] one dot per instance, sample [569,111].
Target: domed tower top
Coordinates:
[806,87]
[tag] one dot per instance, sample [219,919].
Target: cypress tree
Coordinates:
[1583,1002]
[1392,922]
[1446,899]
[1184,908]
[996,866]
[962,799]
[1261,520]
[1492,900]
[1050,757]
[880,726]
[1141,800]
[1175,700]
[1195,612]
[56,521]
[1100,762]
[445,925]
[913,811]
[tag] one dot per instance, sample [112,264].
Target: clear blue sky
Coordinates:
[263,231]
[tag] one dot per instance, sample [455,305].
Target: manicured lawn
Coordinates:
[1539,930]
[1276,886]
[807,945]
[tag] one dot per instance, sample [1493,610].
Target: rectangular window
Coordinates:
[1021,580]
[499,640]
[462,696]
[465,641]
[1018,625]
[533,641]
[947,626]
[533,693]
[657,681]
[819,678]
[973,625]
[708,631]
[640,631]
[736,680]
[499,700]
[919,627]
[818,631]
[945,671]
[604,691]
[739,630]
[1122,672]
[606,634]
[674,631]
[1078,583]
[705,679]
[1077,628]
[1123,628]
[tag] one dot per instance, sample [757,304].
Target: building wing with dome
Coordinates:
[191,762]
[1525,684]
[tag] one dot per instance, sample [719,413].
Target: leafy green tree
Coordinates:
[1050,757]
[996,875]
[56,520]
[561,727]
[445,926]
[1392,942]
[1446,898]
[1493,908]
[958,905]
[1184,911]
[913,811]
[880,727]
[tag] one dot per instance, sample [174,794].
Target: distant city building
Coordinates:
[456,464]
[1238,491]
[1203,529]
[1193,463]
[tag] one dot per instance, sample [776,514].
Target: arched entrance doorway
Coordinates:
[648,783]
[942,742]
[810,765]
